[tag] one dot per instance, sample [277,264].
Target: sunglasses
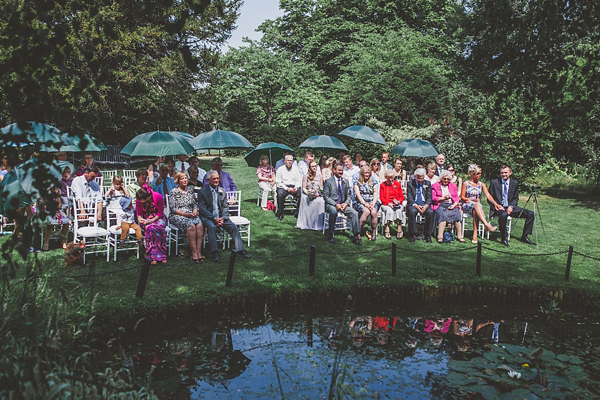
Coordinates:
[450,170]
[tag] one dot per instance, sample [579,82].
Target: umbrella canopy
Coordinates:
[221,140]
[361,132]
[273,150]
[158,144]
[415,148]
[19,188]
[33,132]
[323,142]
[88,143]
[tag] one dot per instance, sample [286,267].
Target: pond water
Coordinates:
[428,352]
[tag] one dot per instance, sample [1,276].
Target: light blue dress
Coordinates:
[473,193]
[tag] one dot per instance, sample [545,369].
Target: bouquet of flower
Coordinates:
[314,193]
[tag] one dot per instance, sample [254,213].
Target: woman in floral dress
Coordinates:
[471,196]
[366,193]
[183,213]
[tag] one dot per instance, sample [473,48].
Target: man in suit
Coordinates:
[505,192]
[214,212]
[439,164]
[336,193]
[418,201]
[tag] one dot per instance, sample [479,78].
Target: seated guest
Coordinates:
[419,202]
[266,179]
[170,167]
[141,176]
[289,182]
[65,184]
[323,163]
[445,204]
[385,156]
[194,162]
[505,193]
[63,162]
[50,216]
[303,165]
[440,159]
[84,187]
[366,196]
[281,161]
[431,176]
[88,162]
[471,197]
[312,205]
[194,180]
[327,168]
[392,209]
[153,168]
[214,211]
[358,158]
[151,218]
[183,213]
[164,183]
[225,180]
[349,168]
[455,179]
[399,173]
[116,191]
[181,165]
[336,193]
[376,170]
[363,163]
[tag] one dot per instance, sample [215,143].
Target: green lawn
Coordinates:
[280,260]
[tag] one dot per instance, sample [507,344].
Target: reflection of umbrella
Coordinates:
[87,142]
[274,150]
[158,144]
[19,188]
[361,132]
[323,142]
[35,132]
[415,148]
[221,140]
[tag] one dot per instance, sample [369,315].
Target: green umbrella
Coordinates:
[323,142]
[158,144]
[88,143]
[361,132]
[415,148]
[21,186]
[219,140]
[274,150]
[33,132]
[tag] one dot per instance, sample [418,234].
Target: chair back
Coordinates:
[129,173]
[100,181]
[235,205]
[112,217]
[84,206]
[108,176]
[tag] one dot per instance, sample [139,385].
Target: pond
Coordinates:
[418,352]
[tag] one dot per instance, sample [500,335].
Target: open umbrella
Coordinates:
[323,142]
[88,143]
[274,150]
[218,140]
[20,187]
[158,144]
[415,148]
[33,132]
[361,132]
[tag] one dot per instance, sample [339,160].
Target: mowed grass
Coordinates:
[280,260]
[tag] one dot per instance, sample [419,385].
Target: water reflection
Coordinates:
[381,354]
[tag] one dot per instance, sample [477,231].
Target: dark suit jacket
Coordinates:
[330,192]
[496,192]
[205,203]
[411,189]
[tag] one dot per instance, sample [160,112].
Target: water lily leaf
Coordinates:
[548,355]
[563,357]
[492,356]
[536,354]
[519,394]
[461,366]
[575,360]
[457,379]
[480,362]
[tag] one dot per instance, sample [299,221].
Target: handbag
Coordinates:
[448,237]
[270,205]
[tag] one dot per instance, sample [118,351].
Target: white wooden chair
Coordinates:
[235,215]
[100,181]
[85,225]
[270,196]
[129,174]
[174,234]
[130,244]
[4,224]
[508,226]
[108,177]
[341,223]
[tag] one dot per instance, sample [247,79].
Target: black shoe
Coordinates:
[525,239]
[243,254]
[428,239]
[411,239]
[504,242]
[331,240]
[279,218]
[356,240]
[216,257]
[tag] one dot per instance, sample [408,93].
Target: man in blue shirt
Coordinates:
[163,183]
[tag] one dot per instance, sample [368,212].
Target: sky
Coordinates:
[252,14]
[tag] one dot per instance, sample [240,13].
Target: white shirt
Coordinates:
[349,172]
[81,188]
[177,167]
[288,177]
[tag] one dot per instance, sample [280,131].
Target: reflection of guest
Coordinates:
[383,325]
[436,327]
[463,328]
[359,327]
[492,331]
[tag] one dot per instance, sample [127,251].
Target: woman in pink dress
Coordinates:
[150,212]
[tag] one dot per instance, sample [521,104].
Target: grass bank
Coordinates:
[279,265]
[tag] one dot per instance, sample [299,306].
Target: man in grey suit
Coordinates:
[336,193]
[214,212]
[418,201]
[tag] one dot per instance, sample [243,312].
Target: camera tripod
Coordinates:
[536,211]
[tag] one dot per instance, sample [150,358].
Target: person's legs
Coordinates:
[364,214]
[411,214]
[353,216]
[458,227]
[199,236]
[124,230]
[478,209]
[502,218]
[212,235]
[64,231]
[374,221]
[191,237]
[233,231]
[265,194]
[440,235]
[428,223]
[281,195]
[332,211]
[529,216]
[47,233]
